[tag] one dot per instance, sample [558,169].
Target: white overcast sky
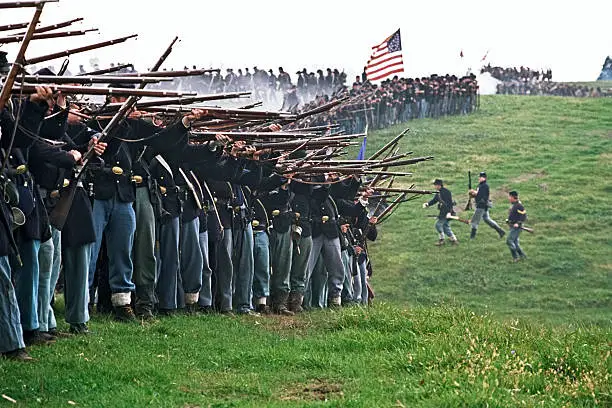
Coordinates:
[571,37]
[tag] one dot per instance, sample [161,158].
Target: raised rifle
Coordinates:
[173,74]
[87,90]
[43,36]
[19,4]
[85,80]
[52,27]
[58,216]
[468,206]
[178,101]
[66,53]
[107,70]
[17,66]
[9,27]
[403,190]
[391,143]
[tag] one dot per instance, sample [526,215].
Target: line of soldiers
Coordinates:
[481,195]
[518,74]
[399,100]
[266,86]
[159,224]
[551,88]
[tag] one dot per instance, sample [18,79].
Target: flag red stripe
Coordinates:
[382,62]
[370,65]
[387,74]
[377,56]
[384,68]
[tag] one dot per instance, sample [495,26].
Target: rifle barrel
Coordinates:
[9,27]
[86,90]
[51,79]
[180,101]
[44,36]
[388,145]
[107,70]
[5,93]
[79,50]
[52,27]
[192,72]
[403,190]
[403,162]
[252,135]
[19,4]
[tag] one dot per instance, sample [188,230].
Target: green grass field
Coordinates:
[557,152]
[451,326]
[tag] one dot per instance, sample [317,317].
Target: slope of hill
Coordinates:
[557,152]
[422,350]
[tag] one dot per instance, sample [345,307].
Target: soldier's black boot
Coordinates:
[279,304]
[500,231]
[124,314]
[473,233]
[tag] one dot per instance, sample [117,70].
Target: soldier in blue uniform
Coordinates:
[516,216]
[444,199]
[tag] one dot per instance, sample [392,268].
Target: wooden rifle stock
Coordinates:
[7,87]
[66,53]
[386,147]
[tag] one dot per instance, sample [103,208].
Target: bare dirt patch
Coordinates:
[316,390]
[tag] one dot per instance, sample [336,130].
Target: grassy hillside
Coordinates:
[464,326]
[557,152]
[377,357]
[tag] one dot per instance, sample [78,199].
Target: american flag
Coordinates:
[386,58]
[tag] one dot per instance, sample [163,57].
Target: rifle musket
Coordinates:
[9,27]
[56,26]
[86,90]
[44,36]
[175,74]
[69,52]
[51,79]
[20,4]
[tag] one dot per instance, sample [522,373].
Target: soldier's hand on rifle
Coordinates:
[222,140]
[195,114]
[344,228]
[60,100]
[373,220]
[515,225]
[136,114]
[76,155]
[99,147]
[237,147]
[358,250]
[43,94]
[275,127]
[472,193]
